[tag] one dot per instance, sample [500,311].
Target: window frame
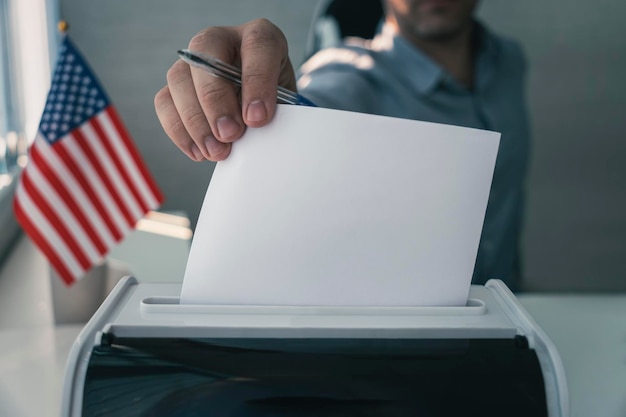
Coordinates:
[28,37]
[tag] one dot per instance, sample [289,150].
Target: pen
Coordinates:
[231,73]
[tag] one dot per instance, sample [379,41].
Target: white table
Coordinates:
[590,334]
[33,349]
[588,330]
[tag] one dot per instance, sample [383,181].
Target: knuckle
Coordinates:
[168,115]
[178,73]
[256,78]
[202,40]
[211,95]
[176,131]
[162,99]
[196,124]
[262,34]
[262,25]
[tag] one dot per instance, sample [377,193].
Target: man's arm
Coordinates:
[203,114]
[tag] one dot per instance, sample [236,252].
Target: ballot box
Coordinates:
[145,354]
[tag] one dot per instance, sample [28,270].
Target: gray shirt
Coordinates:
[388,76]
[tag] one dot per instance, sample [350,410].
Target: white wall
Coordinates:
[576,223]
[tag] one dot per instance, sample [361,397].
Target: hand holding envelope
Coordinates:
[308,211]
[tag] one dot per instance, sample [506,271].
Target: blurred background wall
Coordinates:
[575,235]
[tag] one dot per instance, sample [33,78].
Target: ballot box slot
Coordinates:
[171,305]
[161,377]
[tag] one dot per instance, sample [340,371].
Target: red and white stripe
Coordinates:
[81,195]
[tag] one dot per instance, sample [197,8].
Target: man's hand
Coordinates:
[203,114]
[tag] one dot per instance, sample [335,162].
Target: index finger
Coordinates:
[264,61]
[218,98]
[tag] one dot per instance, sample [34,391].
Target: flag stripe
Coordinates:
[94,162]
[42,243]
[128,155]
[126,200]
[72,146]
[119,126]
[81,177]
[62,211]
[53,218]
[121,168]
[85,186]
[69,177]
[45,237]
[66,198]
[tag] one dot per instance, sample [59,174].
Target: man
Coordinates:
[432,61]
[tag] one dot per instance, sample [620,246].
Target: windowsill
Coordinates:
[8,224]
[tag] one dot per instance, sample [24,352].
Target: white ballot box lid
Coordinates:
[149,311]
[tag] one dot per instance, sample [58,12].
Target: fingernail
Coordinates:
[256,112]
[227,128]
[196,152]
[214,147]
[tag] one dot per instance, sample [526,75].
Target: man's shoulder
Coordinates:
[353,55]
[346,77]
[507,48]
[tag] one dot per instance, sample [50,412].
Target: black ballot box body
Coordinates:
[144,354]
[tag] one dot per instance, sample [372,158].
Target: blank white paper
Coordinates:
[333,208]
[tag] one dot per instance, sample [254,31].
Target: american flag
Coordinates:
[85,186]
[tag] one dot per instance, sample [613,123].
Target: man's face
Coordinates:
[432,19]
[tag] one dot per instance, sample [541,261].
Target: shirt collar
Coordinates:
[486,58]
[425,74]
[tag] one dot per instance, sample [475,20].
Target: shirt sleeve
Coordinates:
[339,79]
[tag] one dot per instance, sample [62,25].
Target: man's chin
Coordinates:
[438,32]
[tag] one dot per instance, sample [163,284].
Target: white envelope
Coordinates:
[327,207]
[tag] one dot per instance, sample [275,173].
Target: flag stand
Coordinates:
[77,303]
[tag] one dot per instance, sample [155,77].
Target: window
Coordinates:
[27,32]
